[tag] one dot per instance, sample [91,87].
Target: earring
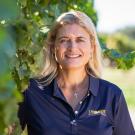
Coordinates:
[91,56]
[55,56]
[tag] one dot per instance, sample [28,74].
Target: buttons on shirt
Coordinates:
[76,112]
[80,102]
[73,122]
[88,94]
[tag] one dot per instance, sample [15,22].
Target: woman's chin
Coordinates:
[71,66]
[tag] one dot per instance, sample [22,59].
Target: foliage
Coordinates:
[121,42]
[128,31]
[122,61]
[119,49]
[23,27]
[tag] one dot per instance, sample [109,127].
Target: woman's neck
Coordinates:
[72,78]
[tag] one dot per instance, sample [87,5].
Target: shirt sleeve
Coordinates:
[123,123]
[22,115]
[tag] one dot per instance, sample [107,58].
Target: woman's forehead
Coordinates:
[72,30]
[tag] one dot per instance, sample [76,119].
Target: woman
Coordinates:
[70,97]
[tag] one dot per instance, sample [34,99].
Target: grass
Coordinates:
[125,80]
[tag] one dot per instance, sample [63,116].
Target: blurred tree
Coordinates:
[121,42]
[119,49]
[123,39]
[23,28]
[128,31]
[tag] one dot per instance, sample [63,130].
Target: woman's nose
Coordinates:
[72,44]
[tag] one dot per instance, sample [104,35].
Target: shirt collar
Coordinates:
[93,87]
[57,92]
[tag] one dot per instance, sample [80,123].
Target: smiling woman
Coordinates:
[69,97]
[73,48]
[63,24]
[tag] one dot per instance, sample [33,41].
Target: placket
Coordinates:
[75,115]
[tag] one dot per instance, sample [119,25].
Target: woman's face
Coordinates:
[72,46]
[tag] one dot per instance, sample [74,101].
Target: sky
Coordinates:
[114,14]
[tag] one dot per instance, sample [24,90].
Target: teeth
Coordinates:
[73,56]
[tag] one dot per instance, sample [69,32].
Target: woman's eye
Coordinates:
[63,40]
[80,40]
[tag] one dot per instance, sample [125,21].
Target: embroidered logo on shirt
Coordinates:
[97,112]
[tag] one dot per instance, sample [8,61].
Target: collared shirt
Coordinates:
[103,111]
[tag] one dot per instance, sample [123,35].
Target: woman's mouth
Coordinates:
[73,55]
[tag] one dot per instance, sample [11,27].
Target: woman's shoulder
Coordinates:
[109,87]
[35,85]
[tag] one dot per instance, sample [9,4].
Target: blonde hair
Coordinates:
[50,69]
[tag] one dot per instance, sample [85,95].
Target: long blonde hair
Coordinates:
[50,69]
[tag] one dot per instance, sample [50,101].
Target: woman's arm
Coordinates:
[22,112]
[123,123]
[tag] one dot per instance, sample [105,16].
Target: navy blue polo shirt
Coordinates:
[103,111]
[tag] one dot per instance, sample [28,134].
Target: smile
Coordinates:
[73,56]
